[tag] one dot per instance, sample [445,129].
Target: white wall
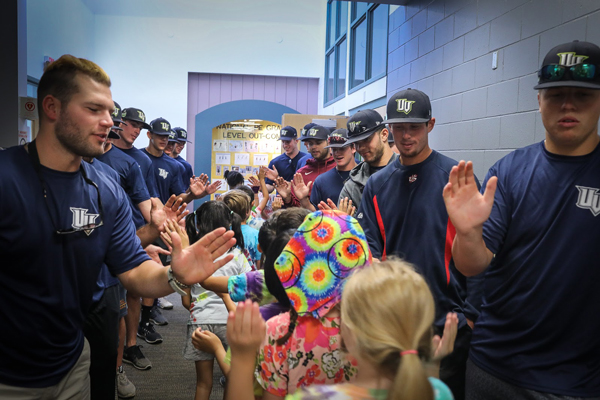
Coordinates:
[55,28]
[150,69]
[148,58]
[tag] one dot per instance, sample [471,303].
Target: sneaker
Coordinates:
[125,389]
[149,334]
[165,304]
[133,355]
[156,317]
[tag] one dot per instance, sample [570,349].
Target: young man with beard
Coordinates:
[403,214]
[285,165]
[328,186]
[534,230]
[370,136]
[61,220]
[315,141]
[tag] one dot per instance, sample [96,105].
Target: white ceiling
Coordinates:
[300,11]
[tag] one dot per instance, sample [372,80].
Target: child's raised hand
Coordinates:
[206,341]
[346,206]
[253,181]
[246,330]
[172,227]
[442,346]
[277,203]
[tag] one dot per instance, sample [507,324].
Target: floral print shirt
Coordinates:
[311,356]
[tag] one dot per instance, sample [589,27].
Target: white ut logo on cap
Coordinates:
[570,58]
[404,105]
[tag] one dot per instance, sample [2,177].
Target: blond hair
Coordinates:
[389,309]
[59,81]
[238,202]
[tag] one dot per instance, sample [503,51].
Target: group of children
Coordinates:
[338,325]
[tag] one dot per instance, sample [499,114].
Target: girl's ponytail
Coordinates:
[411,380]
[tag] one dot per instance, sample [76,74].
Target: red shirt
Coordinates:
[310,171]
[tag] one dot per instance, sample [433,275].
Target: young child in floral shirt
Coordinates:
[303,346]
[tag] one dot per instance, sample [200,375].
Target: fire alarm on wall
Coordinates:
[47,61]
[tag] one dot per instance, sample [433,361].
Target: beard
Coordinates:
[73,138]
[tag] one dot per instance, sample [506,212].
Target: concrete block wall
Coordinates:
[445,48]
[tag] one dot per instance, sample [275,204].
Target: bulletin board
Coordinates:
[243,146]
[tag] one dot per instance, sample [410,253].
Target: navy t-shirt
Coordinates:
[130,178]
[328,186]
[146,166]
[189,171]
[105,279]
[47,279]
[286,166]
[166,173]
[403,214]
[539,326]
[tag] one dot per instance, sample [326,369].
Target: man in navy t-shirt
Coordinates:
[166,170]
[61,220]
[536,225]
[403,214]
[328,186]
[286,164]
[178,147]
[134,121]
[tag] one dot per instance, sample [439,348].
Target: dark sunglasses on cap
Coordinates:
[336,140]
[579,72]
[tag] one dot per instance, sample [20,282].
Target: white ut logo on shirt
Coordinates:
[163,173]
[82,219]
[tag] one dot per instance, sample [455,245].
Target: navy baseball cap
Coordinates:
[305,129]
[363,124]
[317,132]
[574,64]
[135,114]
[338,138]
[408,106]
[160,126]
[112,134]
[173,136]
[181,135]
[288,133]
[116,115]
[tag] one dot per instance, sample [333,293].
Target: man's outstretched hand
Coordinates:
[467,207]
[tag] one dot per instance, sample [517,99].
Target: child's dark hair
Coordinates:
[238,202]
[248,191]
[272,280]
[234,179]
[280,220]
[210,216]
[290,218]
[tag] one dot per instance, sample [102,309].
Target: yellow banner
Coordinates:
[243,146]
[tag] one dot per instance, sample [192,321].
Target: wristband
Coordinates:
[175,284]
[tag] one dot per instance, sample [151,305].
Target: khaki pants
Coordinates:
[74,386]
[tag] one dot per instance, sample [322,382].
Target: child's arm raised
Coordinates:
[246,331]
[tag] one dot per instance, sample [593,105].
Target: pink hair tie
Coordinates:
[405,352]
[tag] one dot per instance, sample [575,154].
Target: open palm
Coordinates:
[197,262]
[467,207]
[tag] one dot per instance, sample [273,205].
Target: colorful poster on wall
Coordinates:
[235,148]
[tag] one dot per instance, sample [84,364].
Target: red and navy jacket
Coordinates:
[403,214]
[310,172]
